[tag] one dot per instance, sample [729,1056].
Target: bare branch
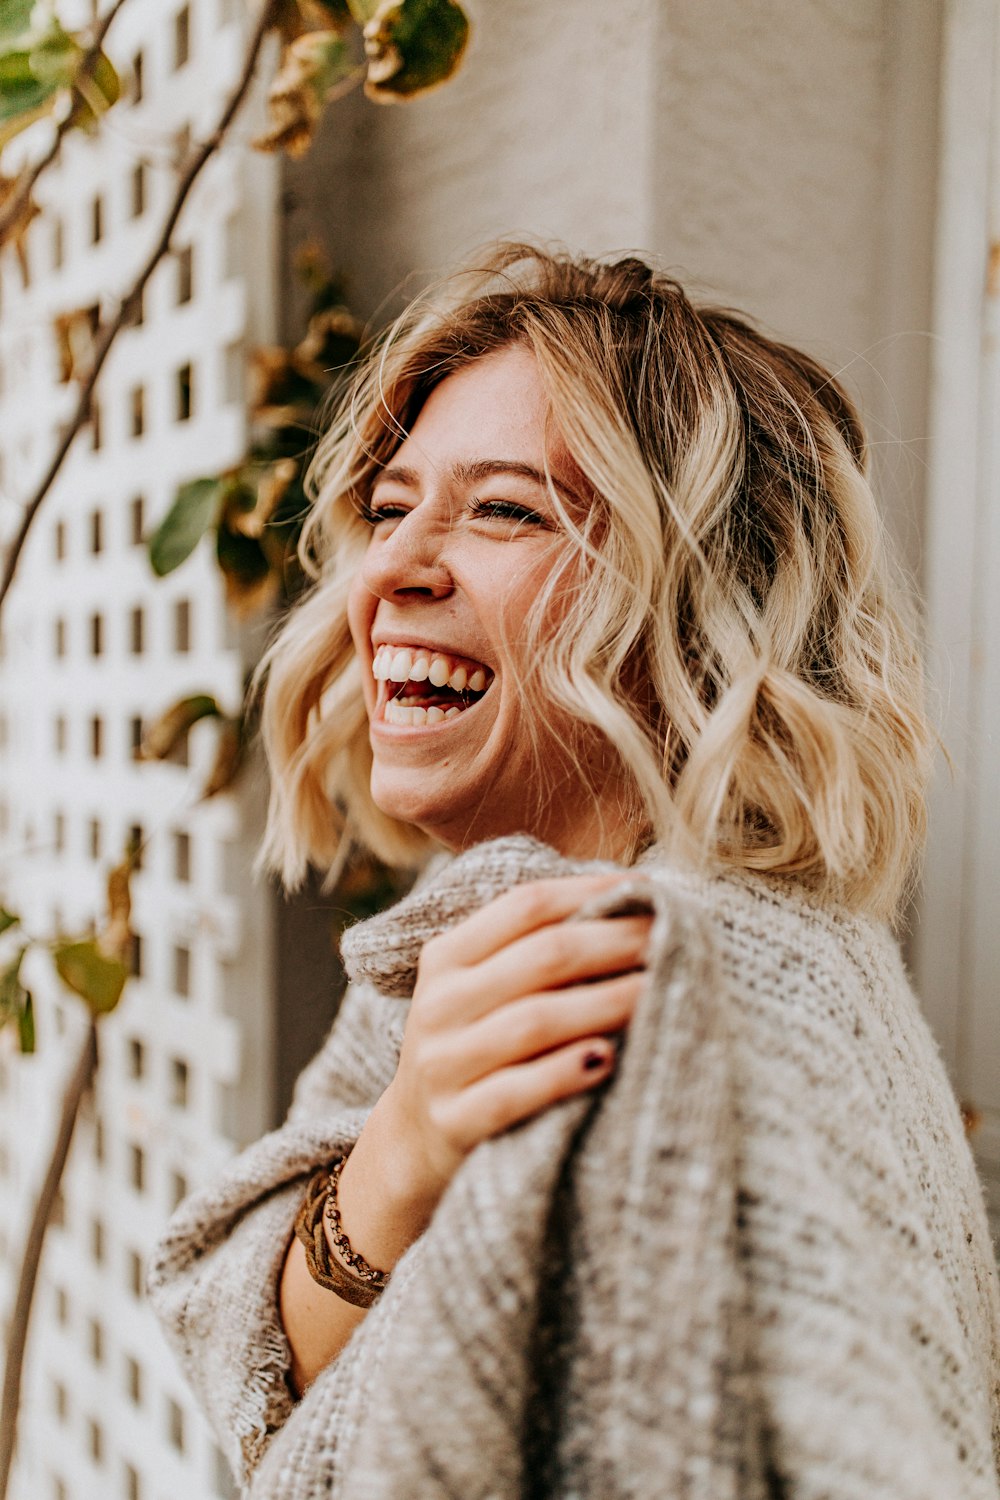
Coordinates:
[21,195]
[109,332]
[76,1087]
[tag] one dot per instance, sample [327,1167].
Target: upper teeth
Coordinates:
[406,664]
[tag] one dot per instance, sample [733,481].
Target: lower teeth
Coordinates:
[399,713]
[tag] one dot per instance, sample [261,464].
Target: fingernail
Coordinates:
[594,1060]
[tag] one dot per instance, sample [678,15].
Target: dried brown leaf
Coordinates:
[15,233]
[75,333]
[293,17]
[272,481]
[116,938]
[228,758]
[166,734]
[315,67]
[332,326]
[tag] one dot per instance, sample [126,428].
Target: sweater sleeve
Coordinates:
[213,1278]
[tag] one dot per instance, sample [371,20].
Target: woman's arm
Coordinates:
[382,1216]
[213,1279]
[510,1013]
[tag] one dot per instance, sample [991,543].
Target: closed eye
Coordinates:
[385,512]
[489,510]
[506,510]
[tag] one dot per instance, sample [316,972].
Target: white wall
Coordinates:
[780,156]
[957,939]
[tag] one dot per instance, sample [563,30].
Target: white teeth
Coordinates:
[417,664]
[439,671]
[402,713]
[398,713]
[402,663]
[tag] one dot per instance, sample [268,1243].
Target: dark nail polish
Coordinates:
[595,1060]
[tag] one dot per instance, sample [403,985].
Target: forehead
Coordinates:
[495,407]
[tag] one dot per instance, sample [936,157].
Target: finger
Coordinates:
[537,903]
[528,1028]
[568,953]
[513,1094]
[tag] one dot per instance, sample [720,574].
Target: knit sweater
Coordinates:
[754,1263]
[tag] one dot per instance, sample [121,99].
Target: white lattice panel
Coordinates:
[95,646]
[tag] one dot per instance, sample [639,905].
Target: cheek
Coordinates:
[533,603]
[360,614]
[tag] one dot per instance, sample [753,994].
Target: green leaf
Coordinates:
[93,976]
[363,10]
[96,88]
[195,509]
[8,919]
[23,99]
[38,58]
[15,1002]
[26,1024]
[55,58]
[12,991]
[413,46]
[15,23]
[246,571]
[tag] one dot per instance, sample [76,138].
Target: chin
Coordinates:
[409,804]
[440,820]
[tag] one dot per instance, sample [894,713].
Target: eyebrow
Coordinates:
[483,468]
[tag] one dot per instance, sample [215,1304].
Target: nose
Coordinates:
[408,561]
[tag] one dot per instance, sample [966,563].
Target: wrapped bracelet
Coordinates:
[362,1284]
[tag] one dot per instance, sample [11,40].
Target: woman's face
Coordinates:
[464,535]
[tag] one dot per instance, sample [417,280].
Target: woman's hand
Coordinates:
[511,1012]
[510,1008]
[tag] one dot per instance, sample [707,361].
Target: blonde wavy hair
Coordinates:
[739,637]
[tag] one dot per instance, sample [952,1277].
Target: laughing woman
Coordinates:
[629,1167]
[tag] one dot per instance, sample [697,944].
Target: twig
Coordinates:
[12,211]
[17,1339]
[130,301]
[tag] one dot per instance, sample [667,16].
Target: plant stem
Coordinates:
[10,214]
[109,332]
[76,1087]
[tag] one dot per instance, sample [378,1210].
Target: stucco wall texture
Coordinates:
[778,157]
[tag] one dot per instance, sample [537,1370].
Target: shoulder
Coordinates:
[774,938]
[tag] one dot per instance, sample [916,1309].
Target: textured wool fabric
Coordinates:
[754,1263]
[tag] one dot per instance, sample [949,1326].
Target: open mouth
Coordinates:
[418,686]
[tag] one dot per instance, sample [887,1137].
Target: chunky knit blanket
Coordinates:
[754,1263]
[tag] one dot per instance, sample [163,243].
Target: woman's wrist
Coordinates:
[384,1200]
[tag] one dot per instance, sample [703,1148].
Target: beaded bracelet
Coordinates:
[362,1284]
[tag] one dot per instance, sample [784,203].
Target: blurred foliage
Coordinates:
[409,46]
[256,509]
[398,49]
[94,965]
[45,68]
[167,738]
